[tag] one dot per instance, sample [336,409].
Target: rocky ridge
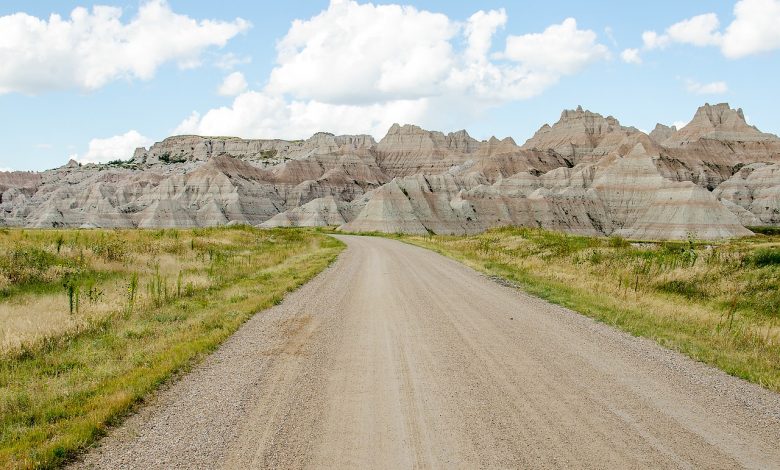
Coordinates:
[585,174]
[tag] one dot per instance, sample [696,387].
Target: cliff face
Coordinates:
[581,135]
[717,122]
[714,145]
[585,174]
[662,132]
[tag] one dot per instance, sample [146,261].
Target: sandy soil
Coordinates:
[396,357]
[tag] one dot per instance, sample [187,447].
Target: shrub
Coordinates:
[765,230]
[685,287]
[766,257]
[616,241]
[111,249]
[596,257]
[27,264]
[166,157]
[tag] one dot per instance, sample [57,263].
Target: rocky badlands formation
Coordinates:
[586,174]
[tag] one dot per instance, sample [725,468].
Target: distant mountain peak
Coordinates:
[716,122]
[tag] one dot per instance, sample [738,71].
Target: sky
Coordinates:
[92,81]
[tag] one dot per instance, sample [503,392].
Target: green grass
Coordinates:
[765,257]
[61,393]
[766,230]
[717,302]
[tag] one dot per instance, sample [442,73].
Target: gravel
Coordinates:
[397,357]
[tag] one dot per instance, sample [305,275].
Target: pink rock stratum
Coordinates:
[586,174]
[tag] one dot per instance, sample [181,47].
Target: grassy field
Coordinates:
[716,302]
[92,321]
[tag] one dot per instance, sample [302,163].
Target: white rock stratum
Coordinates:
[586,174]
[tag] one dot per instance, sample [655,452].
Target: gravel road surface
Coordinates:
[396,357]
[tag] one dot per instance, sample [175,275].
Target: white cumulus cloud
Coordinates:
[93,47]
[653,40]
[713,88]
[118,147]
[561,49]
[479,31]
[753,30]
[257,114]
[360,67]
[233,84]
[230,61]
[631,56]
[353,53]
[701,30]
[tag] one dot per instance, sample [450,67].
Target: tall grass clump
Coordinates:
[765,257]
[72,291]
[132,290]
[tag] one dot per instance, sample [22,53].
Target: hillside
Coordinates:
[586,174]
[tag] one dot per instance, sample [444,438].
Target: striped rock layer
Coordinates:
[585,174]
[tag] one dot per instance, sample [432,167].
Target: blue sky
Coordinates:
[358,67]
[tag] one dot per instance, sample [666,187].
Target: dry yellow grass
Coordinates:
[65,376]
[105,261]
[717,302]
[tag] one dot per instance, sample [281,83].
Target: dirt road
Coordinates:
[396,357]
